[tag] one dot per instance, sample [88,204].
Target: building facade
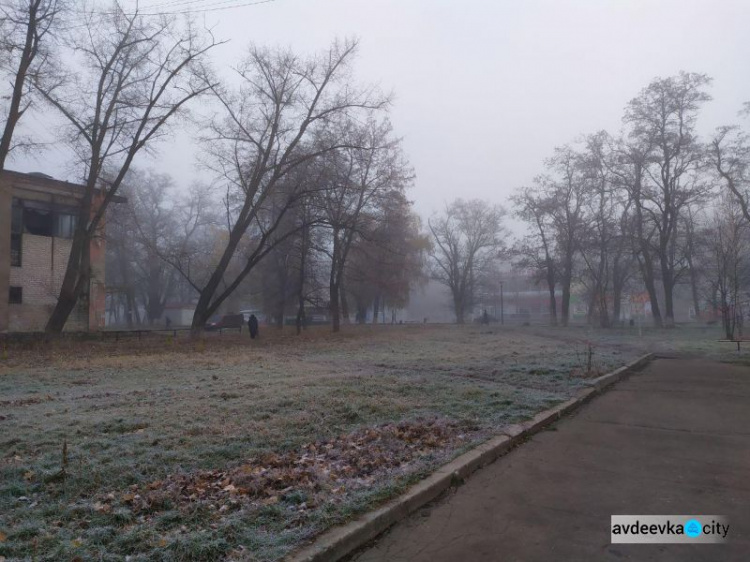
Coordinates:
[38,217]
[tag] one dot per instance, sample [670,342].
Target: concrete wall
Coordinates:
[5,205]
[40,275]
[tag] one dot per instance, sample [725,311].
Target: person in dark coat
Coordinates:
[252,324]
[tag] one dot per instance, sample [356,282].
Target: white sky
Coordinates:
[485,89]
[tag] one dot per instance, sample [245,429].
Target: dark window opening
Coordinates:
[16,295]
[43,219]
[38,221]
[16,221]
[15,250]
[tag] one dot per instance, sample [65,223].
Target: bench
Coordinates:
[738,342]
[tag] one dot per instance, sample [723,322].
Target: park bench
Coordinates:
[738,342]
[139,332]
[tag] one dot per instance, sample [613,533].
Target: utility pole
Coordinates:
[502,310]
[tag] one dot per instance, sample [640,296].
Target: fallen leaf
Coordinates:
[102,507]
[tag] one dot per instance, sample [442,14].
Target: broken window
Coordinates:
[15,295]
[16,229]
[42,218]
[38,218]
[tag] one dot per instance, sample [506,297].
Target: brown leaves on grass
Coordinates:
[306,477]
[27,401]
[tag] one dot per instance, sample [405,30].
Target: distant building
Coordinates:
[38,216]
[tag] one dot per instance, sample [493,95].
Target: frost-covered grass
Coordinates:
[89,422]
[685,339]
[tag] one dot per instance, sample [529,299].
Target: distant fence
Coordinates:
[104,335]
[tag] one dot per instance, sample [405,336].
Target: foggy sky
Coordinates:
[485,89]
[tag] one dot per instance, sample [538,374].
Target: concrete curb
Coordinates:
[338,542]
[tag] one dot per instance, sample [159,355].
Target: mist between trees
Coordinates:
[308,211]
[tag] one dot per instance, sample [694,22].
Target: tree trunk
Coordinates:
[645,260]
[344,303]
[552,300]
[603,310]
[694,289]
[616,297]
[565,308]
[375,309]
[204,308]
[458,306]
[301,283]
[647,271]
[14,112]
[77,275]
[668,283]
[333,292]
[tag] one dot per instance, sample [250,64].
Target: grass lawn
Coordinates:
[698,340]
[226,449]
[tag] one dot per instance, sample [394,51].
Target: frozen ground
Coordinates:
[222,449]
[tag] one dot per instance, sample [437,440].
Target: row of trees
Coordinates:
[313,181]
[308,167]
[337,230]
[637,211]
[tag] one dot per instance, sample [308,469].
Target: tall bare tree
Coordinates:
[554,207]
[599,241]
[137,74]
[387,259]
[27,28]
[663,124]
[272,125]
[360,180]
[467,239]
[729,155]
[567,191]
[536,251]
[726,248]
[629,169]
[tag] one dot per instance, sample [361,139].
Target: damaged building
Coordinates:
[38,216]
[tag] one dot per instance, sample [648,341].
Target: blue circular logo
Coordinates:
[693,528]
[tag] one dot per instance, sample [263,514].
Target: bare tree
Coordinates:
[554,207]
[137,75]
[151,237]
[629,170]
[467,239]
[567,192]
[601,208]
[726,242]
[271,126]
[387,260]
[729,154]
[662,119]
[536,251]
[360,180]
[26,29]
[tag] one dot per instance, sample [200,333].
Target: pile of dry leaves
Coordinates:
[305,477]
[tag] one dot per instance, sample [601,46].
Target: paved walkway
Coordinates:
[672,439]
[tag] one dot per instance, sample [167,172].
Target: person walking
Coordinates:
[252,325]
